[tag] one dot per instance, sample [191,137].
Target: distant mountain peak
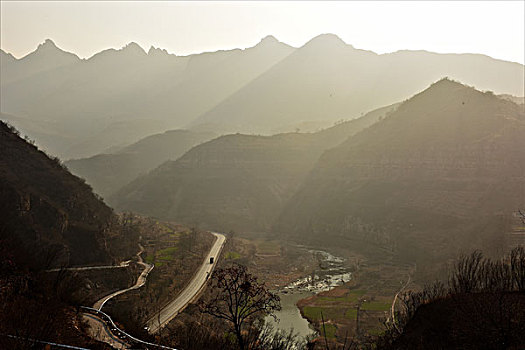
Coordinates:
[48,46]
[268,39]
[157,51]
[446,81]
[135,48]
[49,50]
[327,40]
[447,93]
[447,84]
[48,43]
[131,50]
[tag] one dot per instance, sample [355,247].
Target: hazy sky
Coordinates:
[492,28]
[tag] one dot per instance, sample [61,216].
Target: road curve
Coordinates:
[191,291]
[98,330]
[392,309]
[141,280]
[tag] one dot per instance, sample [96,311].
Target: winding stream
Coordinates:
[330,273]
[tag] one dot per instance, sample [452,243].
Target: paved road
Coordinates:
[392,309]
[98,330]
[140,282]
[190,292]
[109,332]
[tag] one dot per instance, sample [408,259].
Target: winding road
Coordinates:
[191,291]
[392,309]
[140,281]
[98,327]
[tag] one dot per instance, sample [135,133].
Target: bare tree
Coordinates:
[483,301]
[517,267]
[465,277]
[237,297]
[521,215]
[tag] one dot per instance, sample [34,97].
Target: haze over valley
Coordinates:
[155,200]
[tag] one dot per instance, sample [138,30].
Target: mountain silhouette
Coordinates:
[271,86]
[327,79]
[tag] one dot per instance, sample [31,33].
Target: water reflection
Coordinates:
[331,273]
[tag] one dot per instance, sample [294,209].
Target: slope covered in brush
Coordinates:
[238,182]
[440,173]
[48,216]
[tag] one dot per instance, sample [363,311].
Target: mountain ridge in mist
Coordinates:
[237,181]
[108,172]
[126,85]
[327,78]
[260,89]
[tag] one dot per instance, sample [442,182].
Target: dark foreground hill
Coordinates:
[48,216]
[482,306]
[237,181]
[109,172]
[471,321]
[440,173]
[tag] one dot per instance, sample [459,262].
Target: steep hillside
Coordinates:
[326,78]
[440,173]
[48,216]
[238,182]
[109,172]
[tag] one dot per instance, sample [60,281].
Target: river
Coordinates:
[331,272]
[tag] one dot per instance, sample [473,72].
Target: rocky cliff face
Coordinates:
[438,174]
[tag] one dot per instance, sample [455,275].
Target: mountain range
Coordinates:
[77,108]
[441,171]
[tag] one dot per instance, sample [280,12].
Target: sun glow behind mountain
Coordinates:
[492,28]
